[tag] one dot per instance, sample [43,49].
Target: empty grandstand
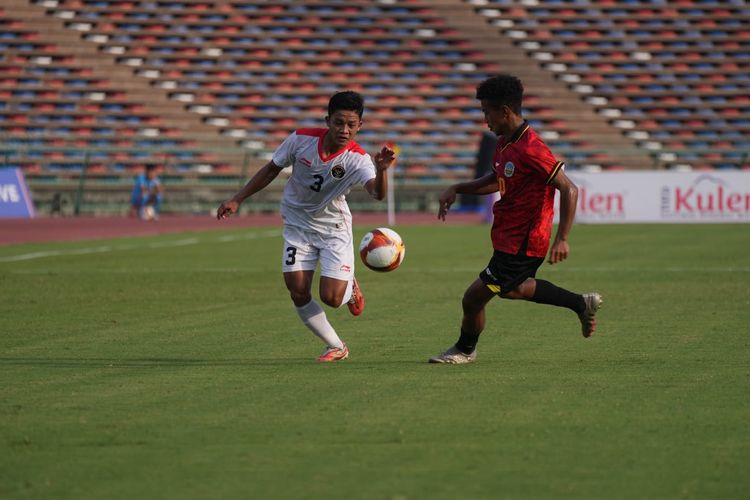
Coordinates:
[674,76]
[92,90]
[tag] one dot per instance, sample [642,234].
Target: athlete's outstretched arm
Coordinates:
[482,185]
[378,186]
[261,179]
[568,201]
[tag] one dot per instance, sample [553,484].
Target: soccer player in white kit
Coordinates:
[326,163]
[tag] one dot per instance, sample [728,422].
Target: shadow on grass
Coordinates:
[143,362]
[181,363]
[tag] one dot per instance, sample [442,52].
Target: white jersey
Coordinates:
[315,194]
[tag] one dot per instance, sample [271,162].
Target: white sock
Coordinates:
[347,293]
[314,317]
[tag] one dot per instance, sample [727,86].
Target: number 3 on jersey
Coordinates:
[318,183]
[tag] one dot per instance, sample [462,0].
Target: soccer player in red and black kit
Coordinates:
[526,174]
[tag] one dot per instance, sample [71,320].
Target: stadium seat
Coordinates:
[612,52]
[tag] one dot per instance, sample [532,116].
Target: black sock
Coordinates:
[547,293]
[467,342]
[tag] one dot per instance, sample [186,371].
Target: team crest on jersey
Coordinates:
[509,169]
[337,172]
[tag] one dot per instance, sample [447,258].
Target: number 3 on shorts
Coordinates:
[291,253]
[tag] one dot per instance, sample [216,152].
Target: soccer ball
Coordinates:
[382,249]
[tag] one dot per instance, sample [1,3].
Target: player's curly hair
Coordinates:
[502,90]
[347,100]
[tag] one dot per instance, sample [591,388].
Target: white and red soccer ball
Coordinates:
[382,249]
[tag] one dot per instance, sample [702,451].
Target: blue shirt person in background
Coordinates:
[146,197]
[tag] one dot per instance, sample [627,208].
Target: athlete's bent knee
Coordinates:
[512,295]
[524,291]
[332,299]
[300,299]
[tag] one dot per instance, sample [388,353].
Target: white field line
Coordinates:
[406,270]
[214,270]
[669,269]
[135,246]
[594,269]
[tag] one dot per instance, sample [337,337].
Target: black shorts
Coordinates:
[506,271]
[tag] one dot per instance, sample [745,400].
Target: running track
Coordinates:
[48,229]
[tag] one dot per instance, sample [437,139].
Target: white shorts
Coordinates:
[303,249]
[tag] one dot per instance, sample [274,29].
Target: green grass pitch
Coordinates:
[175,367]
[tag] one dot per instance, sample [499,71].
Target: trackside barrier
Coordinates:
[15,200]
[659,196]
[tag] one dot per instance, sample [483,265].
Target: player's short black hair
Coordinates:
[502,90]
[347,100]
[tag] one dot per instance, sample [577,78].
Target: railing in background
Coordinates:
[74,181]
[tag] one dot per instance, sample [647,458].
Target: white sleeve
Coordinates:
[284,154]
[365,170]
